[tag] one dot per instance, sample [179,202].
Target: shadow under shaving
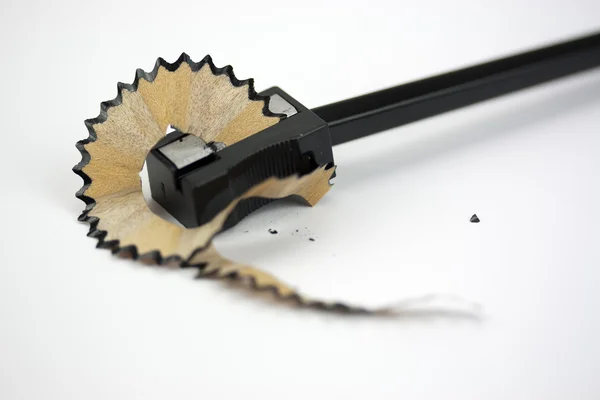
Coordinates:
[396,313]
[446,141]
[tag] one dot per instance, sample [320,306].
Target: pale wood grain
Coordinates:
[202,104]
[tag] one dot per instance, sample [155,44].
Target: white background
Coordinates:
[76,323]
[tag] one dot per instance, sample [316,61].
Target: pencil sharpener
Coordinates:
[194,180]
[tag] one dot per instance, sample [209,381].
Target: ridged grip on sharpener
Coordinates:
[279,160]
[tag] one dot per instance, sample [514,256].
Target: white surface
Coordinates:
[77,323]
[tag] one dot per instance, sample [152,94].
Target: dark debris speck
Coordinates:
[273,232]
[474,219]
[311,239]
